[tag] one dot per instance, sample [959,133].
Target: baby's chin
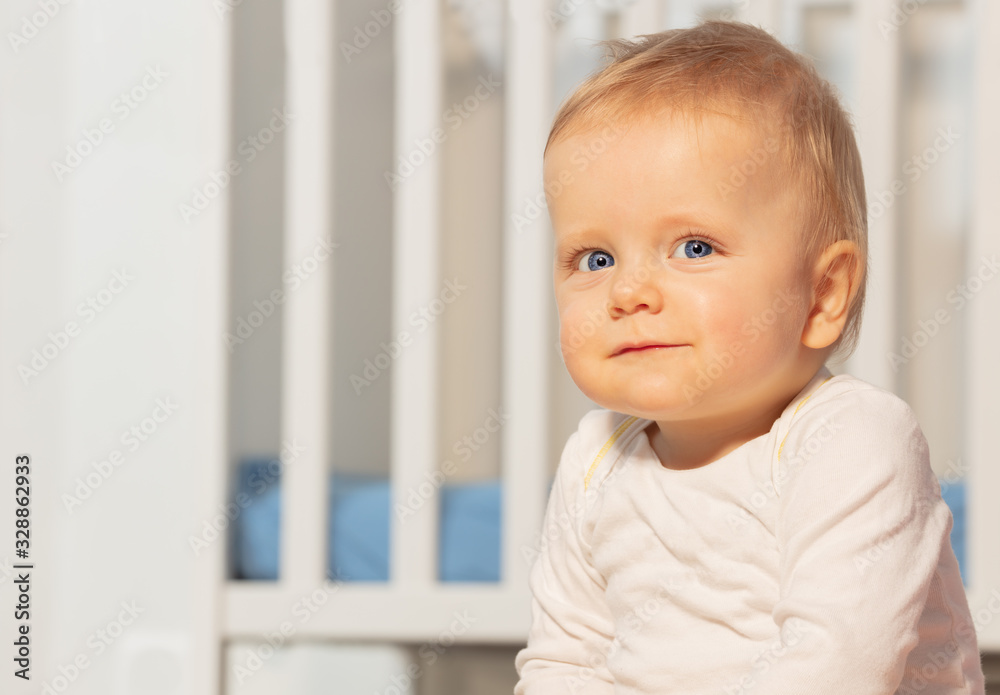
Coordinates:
[662,402]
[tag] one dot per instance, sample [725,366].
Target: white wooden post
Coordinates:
[307,344]
[877,69]
[416,240]
[983,334]
[527,286]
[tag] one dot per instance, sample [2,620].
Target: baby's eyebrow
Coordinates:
[578,237]
[684,219]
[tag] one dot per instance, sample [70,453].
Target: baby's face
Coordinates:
[679,272]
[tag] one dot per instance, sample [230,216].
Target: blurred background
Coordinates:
[279,338]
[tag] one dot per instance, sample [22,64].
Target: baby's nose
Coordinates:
[635,292]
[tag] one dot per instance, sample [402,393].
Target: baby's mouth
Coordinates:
[648,346]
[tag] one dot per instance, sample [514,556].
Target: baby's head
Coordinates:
[707,197]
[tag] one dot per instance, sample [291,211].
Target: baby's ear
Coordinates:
[835,277]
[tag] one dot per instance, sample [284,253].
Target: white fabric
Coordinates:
[828,570]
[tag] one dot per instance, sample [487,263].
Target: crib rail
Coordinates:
[395,612]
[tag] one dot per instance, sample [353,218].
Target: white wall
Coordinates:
[157,339]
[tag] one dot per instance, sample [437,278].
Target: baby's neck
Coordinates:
[694,447]
[687,444]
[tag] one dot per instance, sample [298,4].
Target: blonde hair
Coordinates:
[743,72]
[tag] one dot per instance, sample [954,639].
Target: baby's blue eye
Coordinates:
[693,248]
[596,260]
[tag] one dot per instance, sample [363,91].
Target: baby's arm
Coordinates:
[860,530]
[571,629]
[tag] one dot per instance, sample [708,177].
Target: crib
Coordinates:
[369,615]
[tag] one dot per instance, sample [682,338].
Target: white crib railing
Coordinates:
[413,605]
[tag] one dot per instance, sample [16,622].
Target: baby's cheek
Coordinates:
[574,337]
[736,327]
[577,356]
[770,327]
[579,321]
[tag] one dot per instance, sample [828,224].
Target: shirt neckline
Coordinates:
[821,376]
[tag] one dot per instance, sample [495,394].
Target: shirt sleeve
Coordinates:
[571,634]
[860,530]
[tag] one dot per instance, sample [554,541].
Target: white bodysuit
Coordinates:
[812,560]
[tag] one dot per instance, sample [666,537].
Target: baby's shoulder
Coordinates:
[846,397]
[850,412]
[600,438]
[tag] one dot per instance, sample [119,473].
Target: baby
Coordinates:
[737,520]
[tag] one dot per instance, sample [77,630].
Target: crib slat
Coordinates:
[210,435]
[527,290]
[983,330]
[877,70]
[416,239]
[306,346]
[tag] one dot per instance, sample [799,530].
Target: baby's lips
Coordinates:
[641,345]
